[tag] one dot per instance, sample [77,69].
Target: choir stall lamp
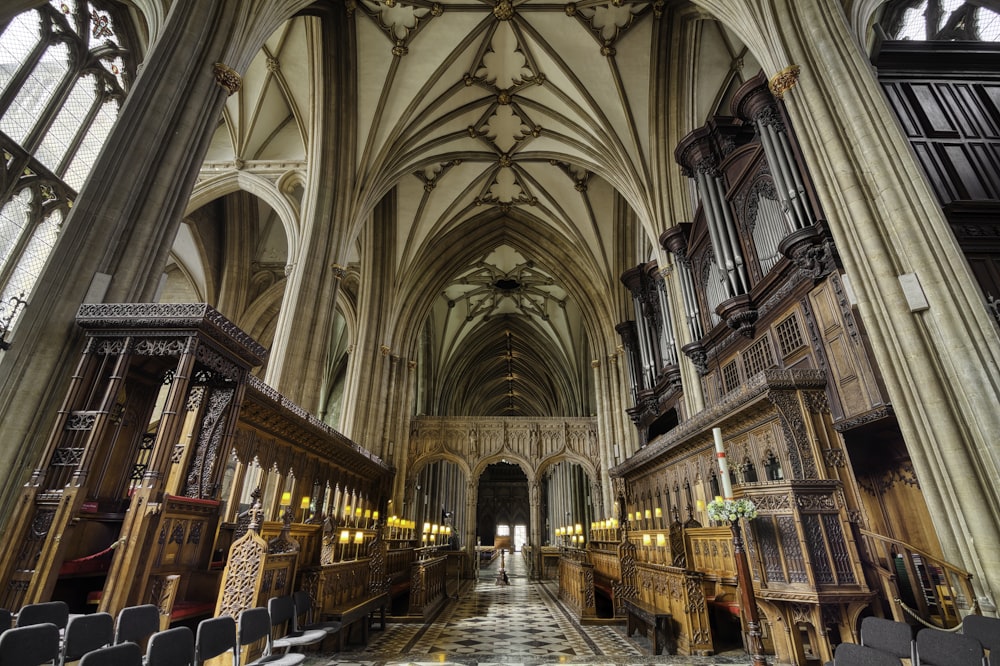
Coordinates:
[359,538]
[345,539]
[305,508]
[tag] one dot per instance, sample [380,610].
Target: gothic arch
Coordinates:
[266,190]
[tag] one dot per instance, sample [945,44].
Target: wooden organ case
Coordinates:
[783,362]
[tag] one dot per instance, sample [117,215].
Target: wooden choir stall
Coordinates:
[163,444]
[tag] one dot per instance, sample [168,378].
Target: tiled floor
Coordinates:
[520,624]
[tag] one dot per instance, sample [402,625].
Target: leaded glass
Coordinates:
[71,117]
[66,75]
[948,20]
[14,218]
[16,44]
[90,146]
[32,99]
[33,258]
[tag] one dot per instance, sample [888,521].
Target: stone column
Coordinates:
[117,237]
[941,365]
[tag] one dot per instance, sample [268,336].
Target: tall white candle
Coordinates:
[720,453]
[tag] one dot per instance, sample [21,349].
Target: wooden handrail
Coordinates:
[934,583]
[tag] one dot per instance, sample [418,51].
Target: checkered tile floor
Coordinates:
[521,624]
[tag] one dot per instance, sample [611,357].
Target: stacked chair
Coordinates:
[987,631]
[886,643]
[123,654]
[30,645]
[86,633]
[46,634]
[284,621]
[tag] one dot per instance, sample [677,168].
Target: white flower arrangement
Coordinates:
[731,510]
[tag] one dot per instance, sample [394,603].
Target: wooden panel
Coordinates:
[710,551]
[934,118]
[681,594]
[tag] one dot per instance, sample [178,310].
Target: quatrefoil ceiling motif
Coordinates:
[609,21]
[505,65]
[398,20]
[506,188]
[505,128]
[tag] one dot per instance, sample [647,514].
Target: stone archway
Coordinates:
[503,500]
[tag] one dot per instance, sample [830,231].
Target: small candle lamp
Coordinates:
[359,538]
[345,538]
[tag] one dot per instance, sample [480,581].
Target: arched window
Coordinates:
[63,76]
[941,20]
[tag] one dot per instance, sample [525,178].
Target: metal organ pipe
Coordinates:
[790,185]
[642,333]
[691,309]
[800,187]
[769,228]
[729,226]
[777,173]
[667,344]
[713,218]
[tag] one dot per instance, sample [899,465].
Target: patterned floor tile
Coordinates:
[521,624]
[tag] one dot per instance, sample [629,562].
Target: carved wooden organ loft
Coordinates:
[163,446]
[786,374]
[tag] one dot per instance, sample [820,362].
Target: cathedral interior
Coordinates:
[689,309]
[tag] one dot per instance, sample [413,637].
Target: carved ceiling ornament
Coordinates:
[607,22]
[401,22]
[507,188]
[432,173]
[505,65]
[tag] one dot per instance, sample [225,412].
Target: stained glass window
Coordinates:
[63,76]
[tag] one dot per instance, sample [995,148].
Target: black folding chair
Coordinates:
[852,654]
[215,636]
[889,636]
[86,633]
[171,647]
[282,610]
[33,645]
[136,624]
[255,626]
[943,648]
[123,654]
[987,631]
[303,611]
[54,612]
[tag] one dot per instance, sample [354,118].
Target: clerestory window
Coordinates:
[941,20]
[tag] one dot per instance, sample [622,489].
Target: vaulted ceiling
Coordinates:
[479,114]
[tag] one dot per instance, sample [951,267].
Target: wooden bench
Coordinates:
[354,612]
[652,618]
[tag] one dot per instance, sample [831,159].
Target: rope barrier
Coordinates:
[912,613]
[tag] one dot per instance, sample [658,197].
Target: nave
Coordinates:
[521,624]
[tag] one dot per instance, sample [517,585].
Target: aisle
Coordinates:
[516,624]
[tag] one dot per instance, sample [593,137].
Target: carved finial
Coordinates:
[256,511]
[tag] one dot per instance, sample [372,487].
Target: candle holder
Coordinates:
[731,511]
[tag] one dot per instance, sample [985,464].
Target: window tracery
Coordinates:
[64,73]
